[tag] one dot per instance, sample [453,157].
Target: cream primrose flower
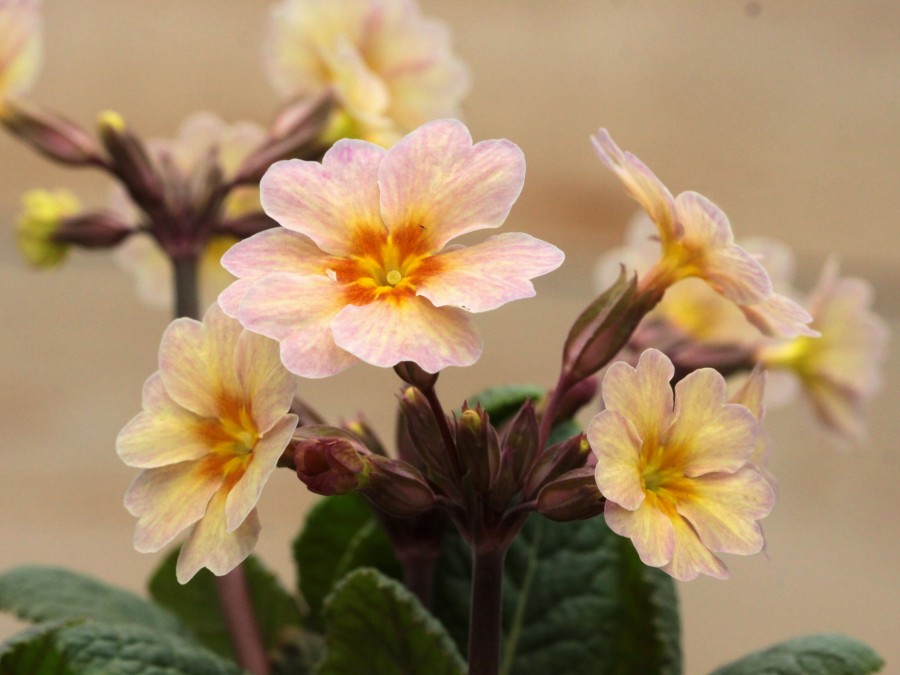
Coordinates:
[841,370]
[21,46]
[390,68]
[361,269]
[41,218]
[201,134]
[696,241]
[678,477]
[214,423]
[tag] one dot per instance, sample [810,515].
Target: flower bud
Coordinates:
[519,445]
[94,230]
[246,224]
[360,427]
[54,137]
[576,398]
[131,162]
[329,465]
[396,487]
[572,496]
[478,446]
[555,461]
[39,223]
[412,374]
[604,327]
[420,441]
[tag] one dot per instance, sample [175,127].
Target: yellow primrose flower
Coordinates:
[696,241]
[40,220]
[677,471]
[214,423]
[841,370]
[390,68]
[20,45]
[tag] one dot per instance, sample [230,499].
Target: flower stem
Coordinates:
[232,589]
[486,608]
[237,610]
[187,302]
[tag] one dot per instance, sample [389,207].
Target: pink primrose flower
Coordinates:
[697,241]
[677,473]
[362,270]
[215,421]
[21,43]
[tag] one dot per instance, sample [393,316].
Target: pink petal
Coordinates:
[211,545]
[435,179]
[642,395]
[690,557]
[649,529]
[329,202]
[164,433]
[388,331]
[275,250]
[617,446]
[297,311]
[231,298]
[641,183]
[487,275]
[714,436]
[724,508]
[245,494]
[168,500]
[777,315]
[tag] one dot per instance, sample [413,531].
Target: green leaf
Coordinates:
[576,599]
[503,402]
[97,648]
[825,654]
[298,653]
[336,538]
[196,603]
[47,593]
[376,626]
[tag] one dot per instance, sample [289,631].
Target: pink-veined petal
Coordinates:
[275,250]
[168,500]
[641,183]
[690,557]
[164,433]
[779,316]
[242,498]
[485,276]
[641,394]
[714,436]
[297,311]
[211,545]
[231,298]
[724,508]
[649,529]
[388,331]
[330,202]
[617,446]
[264,380]
[436,179]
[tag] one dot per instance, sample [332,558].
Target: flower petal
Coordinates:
[164,433]
[388,331]
[168,500]
[712,435]
[641,394]
[265,383]
[724,508]
[778,315]
[275,250]
[641,183]
[487,275]
[648,528]
[436,179]
[690,557]
[297,311]
[617,446]
[329,202]
[211,545]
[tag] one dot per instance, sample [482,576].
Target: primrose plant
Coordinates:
[495,535]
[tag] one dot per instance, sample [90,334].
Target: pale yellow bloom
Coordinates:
[21,46]
[40,219]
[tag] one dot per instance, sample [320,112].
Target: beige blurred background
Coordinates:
[787,114]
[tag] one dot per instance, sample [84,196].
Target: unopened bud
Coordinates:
[329,465]
[572,496]
[421,442]
[246,225]
[397,488]
[557,460]
[478,446]
[131,161]
[53,136]
[576,398]
[39,223]
[95,230]
[519,445]
[362,429]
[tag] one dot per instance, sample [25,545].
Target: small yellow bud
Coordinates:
[38,223]
[110,119]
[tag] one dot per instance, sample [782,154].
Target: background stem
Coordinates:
[187,297]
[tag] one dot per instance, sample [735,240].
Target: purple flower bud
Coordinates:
[53,136]
[572,496]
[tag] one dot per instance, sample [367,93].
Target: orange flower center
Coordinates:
[385,266]
[231,437]
[662,475]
